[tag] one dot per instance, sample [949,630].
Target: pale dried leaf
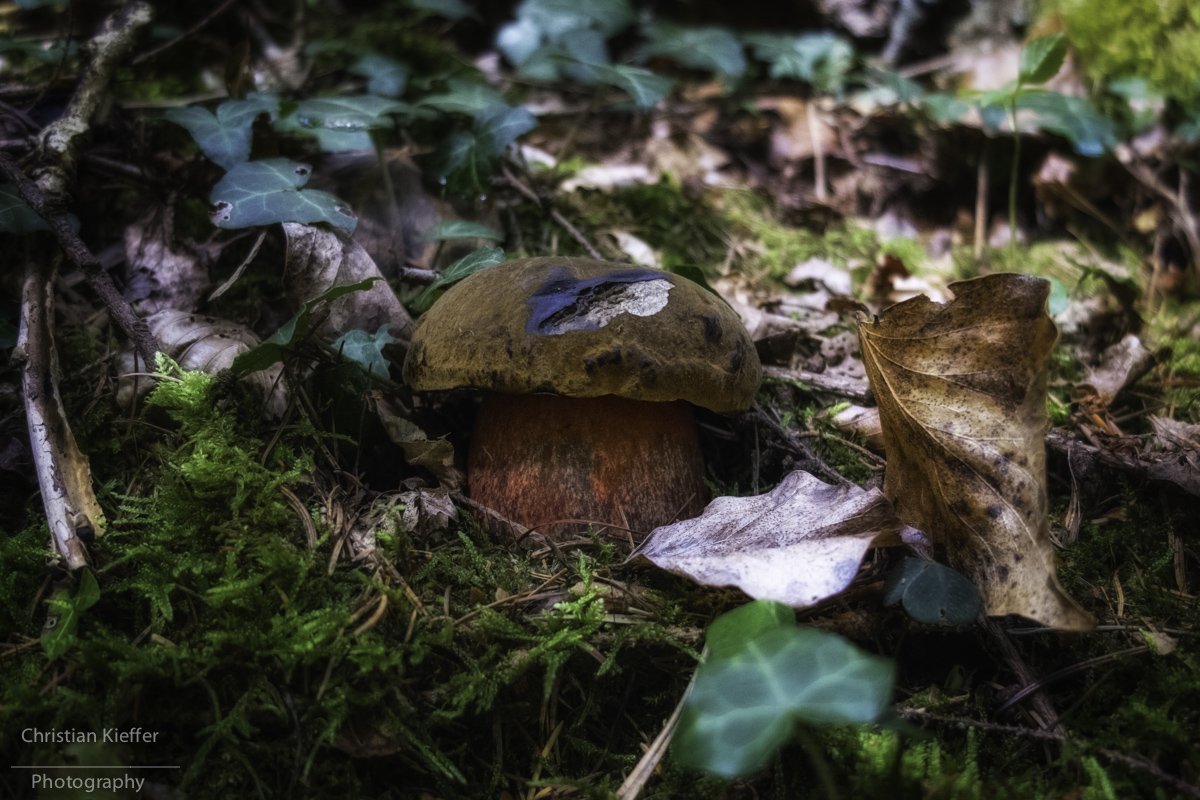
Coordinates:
[319,260]
[1175,435]
[159,272]
[1120,365]
[798,544]
[961,389]
[199,343]
[861,420]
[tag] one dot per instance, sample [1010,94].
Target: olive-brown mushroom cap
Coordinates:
[585,328]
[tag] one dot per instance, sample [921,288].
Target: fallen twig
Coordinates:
[72,511]
[58,157]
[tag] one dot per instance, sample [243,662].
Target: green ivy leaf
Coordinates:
[498,127]
[464,97]
[292,332]
[450,9]
[342,123]
[50,53]
[366,349]
[268,191]
[644,87]
[59,639]
[762,677]
[225,137]
[15,215]
[1090,133]
[385,76]
[473,262]
[712,49]
[461,229]
[1042,58]
[932,593]
[822,59]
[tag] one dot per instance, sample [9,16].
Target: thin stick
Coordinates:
[149,54]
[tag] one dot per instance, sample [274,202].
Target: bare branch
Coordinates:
[62,470]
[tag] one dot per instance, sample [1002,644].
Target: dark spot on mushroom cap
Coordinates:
[613,356]
[735,359]
[994,511]
[712,328]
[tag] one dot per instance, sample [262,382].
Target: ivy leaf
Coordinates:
[480,259]
[225,137]
[1090,133]
[498,127]
[822,59]
[1042,58]
[268,191]
[713,49]
[464,97]
[366,349]
[644,87]
[15,214]
[17,217]
[50,53]
[67,610]
[461,229]
[385,76]
[342,123]
[762,677]
[274,349]
[450,9]
[932,593]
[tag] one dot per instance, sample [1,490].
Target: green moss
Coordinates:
[1158,40]
[779,248]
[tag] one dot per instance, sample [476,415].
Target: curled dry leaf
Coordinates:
[1121,365]
[205,344]
[798,544]
[961,388]
[320,260]
[435,455]
[159,272]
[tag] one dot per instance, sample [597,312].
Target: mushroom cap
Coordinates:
[585,328]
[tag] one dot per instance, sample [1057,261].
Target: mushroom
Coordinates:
[589,371]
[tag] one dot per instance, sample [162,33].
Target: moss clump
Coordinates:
[1158,40]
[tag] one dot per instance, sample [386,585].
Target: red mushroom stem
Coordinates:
[539,458]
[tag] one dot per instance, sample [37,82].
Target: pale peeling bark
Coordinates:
[72,511]
[61,139]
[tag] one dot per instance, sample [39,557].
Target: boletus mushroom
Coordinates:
[589,371]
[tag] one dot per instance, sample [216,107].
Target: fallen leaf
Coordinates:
[1121,365]
[159,273]
[961,389]
[319,260]
[206,344]
[798,544]
[435,455]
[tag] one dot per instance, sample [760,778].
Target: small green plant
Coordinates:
[763,678]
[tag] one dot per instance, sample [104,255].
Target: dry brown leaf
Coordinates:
[961,388]
[435,455]
[200,343]
[320,260]
[159,272]
[798,544]
[1120,366]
